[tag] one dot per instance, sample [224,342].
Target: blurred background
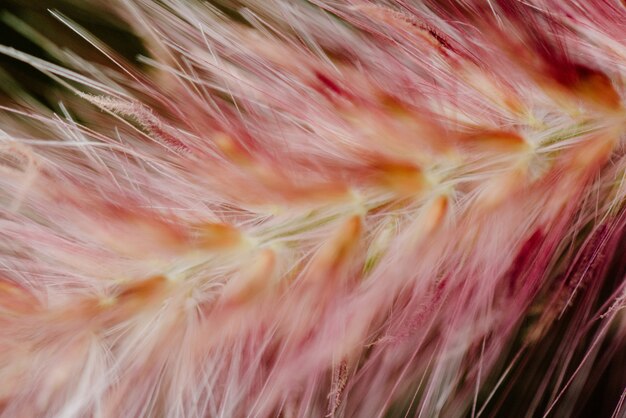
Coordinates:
[30,27]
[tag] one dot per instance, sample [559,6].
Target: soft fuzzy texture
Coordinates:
[324,208]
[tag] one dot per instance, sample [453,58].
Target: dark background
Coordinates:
[103,24]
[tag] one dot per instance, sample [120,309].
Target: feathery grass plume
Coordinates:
[320,208]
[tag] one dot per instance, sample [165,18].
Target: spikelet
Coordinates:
[306,209]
